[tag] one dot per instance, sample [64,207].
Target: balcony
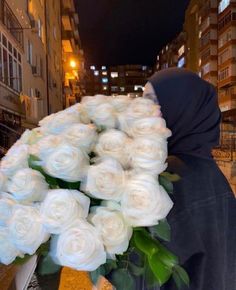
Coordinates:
[8,18]
[8,137]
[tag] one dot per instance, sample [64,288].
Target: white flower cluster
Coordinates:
[113,148]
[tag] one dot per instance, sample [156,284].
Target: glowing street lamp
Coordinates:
[73,63]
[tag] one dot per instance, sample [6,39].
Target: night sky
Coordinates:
[128,31]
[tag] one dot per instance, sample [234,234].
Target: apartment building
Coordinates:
[173,54]
[121,79]
[210,51]
[33,61]
[72,55]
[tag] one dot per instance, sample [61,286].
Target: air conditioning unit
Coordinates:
[34,26]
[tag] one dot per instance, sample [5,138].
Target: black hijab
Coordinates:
[190,107]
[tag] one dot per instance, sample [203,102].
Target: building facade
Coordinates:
[210,51]
[115,80]
[72,55]
[32,63]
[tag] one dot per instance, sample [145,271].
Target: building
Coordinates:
[173,54]
[121,79]
[34,50]
[210,51]
[72,55]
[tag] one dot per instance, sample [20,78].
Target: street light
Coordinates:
[72,63]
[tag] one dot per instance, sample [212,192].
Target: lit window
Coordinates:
[96,73]
[104,88]
[122,89]
[104,73]
[206,68]
[138,87]
[158,57]
[181,50]
[200,34]
[199,20]
[104,67]
[114,74]
[223,4]
[144,67]
[105,80]
[92,67]
[181,62]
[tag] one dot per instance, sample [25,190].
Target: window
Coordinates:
[96,73]
[105,80]
[181,50]
[181,62]
[92,67]
[114,74]
[104,67]
[10,65]
[206,54]
[104,73]
[104,88]
[29,52]
[225,38]
[225,55]
[225,20]
[205,39]
[206,68]
[223,74]
[223,5]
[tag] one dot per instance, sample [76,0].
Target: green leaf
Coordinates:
[122,279]
[149,277]
[21,261]
[168,186]
[109,266]
[135,270]
[33,163]
[162,230]
[94,275]
[144,242]
[182,275]
[170,176]
[161,271]
[47,266]
[166,256]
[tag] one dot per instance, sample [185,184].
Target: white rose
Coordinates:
[61,207]
[111,224]
[3,181]
[58,122]
[149,154]
[105,180]
[66,162]
[31,136]
[154,127]
[80,247]
[113,143]
[104,115]
[138,108]
[6,207]
[8,252]
[144,201]
[120,103]
[28,185]
[81,135]
[90,103]
[16,159]
[79,110]
[26,230]
[46,145]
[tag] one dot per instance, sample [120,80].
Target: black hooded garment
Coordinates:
[203,219]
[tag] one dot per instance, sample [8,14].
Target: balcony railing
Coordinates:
[9,19]
[8,137]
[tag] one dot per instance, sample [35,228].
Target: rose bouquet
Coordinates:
[88,189]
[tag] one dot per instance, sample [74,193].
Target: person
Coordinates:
[203,219]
